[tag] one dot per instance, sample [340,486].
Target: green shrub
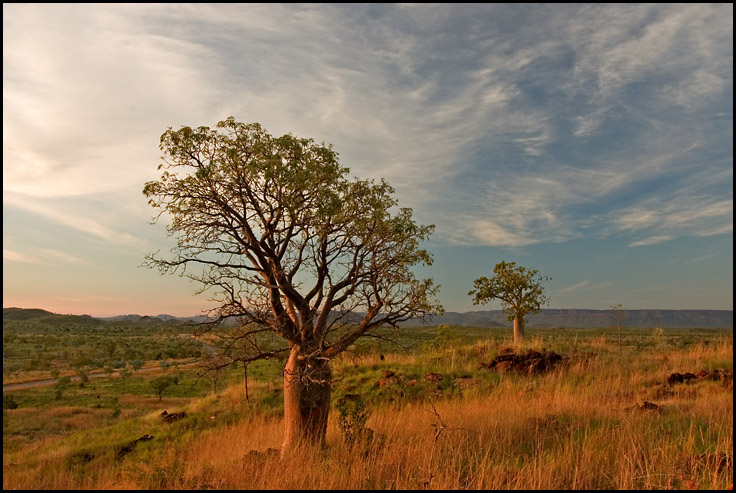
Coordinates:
[9,402]
[353,416]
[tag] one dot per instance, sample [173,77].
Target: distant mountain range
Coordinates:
[577,318]
[570,318]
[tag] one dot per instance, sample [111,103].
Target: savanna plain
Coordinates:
[439,408]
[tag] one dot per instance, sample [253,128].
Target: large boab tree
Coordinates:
[287,244]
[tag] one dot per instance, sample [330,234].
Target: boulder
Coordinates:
[674,378]
[171,417]
[126,449]
[433,377]
[388,381]
[531,363]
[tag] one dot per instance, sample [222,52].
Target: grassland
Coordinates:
[579,426]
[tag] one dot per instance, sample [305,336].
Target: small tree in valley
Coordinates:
[287,244]
[161,384]
[619,314]
[519,290]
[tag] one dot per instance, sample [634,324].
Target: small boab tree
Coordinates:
[287,244]
[519,290]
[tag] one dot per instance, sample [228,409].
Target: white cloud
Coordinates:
[501,124]
[653,240]
[14,256]
[85,115]
[574,287]
[73,220]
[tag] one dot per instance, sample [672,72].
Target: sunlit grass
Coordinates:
[577,427]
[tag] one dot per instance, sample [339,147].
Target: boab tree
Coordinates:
[519,290]
[287,244]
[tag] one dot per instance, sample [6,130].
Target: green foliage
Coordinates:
[353,414]
[161,384]
[283,209]
[519,289]
[9,402]
[659,337]
[61,384]
[446,338]
[83,377]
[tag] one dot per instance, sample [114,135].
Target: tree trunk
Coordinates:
[518,331]
[307,394]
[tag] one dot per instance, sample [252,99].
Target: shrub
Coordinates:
[9,402]
[352,418]
[161,384]
[446,338]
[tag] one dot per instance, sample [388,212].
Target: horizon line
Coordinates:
[434,315]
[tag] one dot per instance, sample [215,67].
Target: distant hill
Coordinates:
[37,315]
[147,319]
[570,318]
[576,318]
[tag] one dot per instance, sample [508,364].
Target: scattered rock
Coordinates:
[645,406]
[713,375]
[258,456]
[126,449]
[171,417]
[688,376]
[674,378]
[388,373]
[392,380]
[727,379]
[433,377]
[411,383]
[531,363]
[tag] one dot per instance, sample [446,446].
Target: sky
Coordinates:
[593,143]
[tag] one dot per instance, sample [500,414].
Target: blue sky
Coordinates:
[591,142]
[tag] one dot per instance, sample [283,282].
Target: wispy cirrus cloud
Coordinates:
[43,256]
[574,287]
[13,256]
[505,125]
[653,240]
[75,219]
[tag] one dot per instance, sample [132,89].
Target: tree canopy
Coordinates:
[284,237]
[285,242]
[519,290]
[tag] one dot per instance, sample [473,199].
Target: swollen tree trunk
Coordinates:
[518,331]
[307,394]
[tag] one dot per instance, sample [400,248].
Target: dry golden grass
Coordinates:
[575,428]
